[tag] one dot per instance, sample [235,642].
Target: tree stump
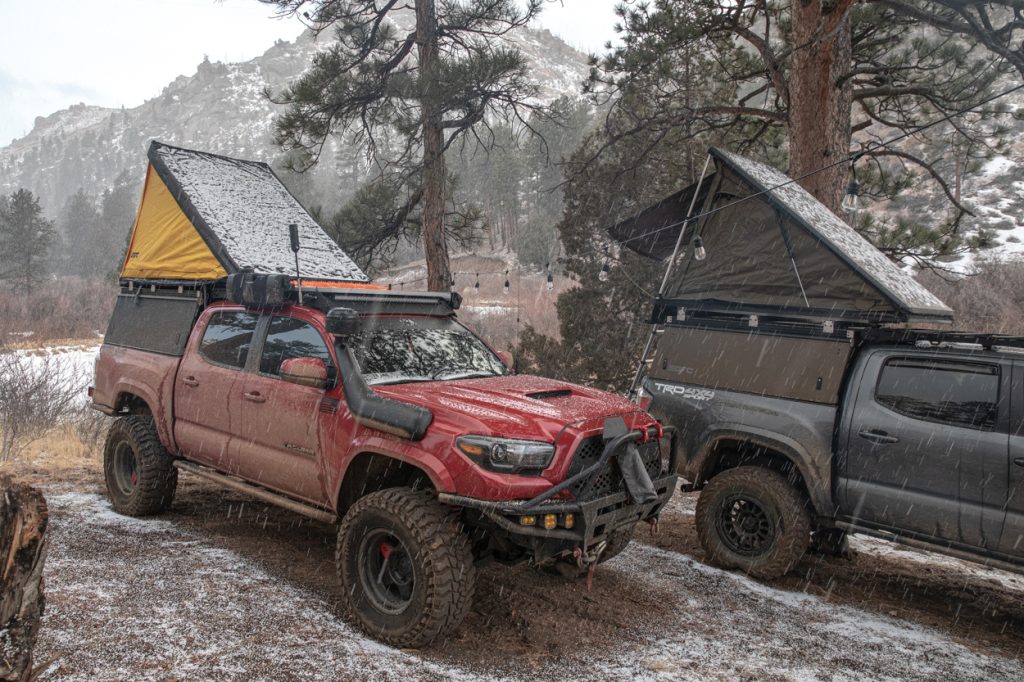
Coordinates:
[23,518]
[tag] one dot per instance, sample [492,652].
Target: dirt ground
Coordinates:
[226,588]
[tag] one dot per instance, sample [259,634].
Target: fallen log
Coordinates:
[23,519]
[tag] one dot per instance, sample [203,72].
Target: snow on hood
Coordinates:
[509,406]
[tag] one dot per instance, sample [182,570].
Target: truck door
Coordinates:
[277,441]
[205,417]
[925,434]
[1011,539]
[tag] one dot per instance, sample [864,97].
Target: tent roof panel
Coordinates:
[842,239]
[242,210]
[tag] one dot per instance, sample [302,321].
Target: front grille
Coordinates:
[608,480]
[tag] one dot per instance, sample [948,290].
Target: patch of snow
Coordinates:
[995,166]
[248,210]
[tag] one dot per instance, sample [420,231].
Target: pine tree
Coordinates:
[408,95]
[25,239]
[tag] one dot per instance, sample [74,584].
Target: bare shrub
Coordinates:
[991,300]
[37,393]
[61,308]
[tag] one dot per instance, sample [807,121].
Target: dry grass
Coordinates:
[62,454]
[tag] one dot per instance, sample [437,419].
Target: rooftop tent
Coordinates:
[772,247]
[204,216]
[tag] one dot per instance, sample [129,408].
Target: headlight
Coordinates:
[507,455]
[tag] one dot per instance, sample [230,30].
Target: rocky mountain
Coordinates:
[220,108]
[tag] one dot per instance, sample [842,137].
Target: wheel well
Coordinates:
[129,403]
[729,454]
[370,472]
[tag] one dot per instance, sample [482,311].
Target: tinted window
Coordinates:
[227,338]
[401,349]
[291,338]
[964,394]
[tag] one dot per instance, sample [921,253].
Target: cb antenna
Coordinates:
[293,237]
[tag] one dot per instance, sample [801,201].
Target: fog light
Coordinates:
[527,520]
[550,521]
[570,520]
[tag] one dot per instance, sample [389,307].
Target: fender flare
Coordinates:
[438,474]
[146,394]
[817,482]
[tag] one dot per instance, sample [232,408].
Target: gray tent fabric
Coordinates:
[781,250]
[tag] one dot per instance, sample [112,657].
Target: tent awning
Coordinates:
[772,246]
[204,216]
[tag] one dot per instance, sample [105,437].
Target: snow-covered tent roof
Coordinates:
[778,250]
[205,216]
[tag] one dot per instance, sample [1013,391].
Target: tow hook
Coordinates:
[653,523]
[588,560]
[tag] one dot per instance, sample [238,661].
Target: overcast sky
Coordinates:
[121,52]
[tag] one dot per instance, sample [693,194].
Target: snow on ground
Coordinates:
[73,363]
[149,599]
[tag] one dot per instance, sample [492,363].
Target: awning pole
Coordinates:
[664,282]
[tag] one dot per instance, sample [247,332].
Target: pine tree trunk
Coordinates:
[820,98]
[23,518]
[435,249]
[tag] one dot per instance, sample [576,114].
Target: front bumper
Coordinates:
[594,518]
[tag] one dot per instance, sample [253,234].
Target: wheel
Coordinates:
[752,519]
[139,472]
[617,541]
[406,567]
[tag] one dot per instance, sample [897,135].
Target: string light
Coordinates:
[603,274]
[851,202]
[699,252]
[505,289]
[550,284]
[477,285]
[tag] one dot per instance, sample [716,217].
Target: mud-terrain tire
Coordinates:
[406,567]
[139,472]
[753,519]
[617,541]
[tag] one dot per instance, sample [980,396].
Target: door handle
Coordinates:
[254,397]
[190,381]
[1019,461]
[878,436]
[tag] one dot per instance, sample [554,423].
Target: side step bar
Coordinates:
[237,484]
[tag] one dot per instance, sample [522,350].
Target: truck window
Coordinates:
[227,338]
[401,349]
[291,338]
[949,392]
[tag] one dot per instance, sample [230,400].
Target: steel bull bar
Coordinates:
[595,518]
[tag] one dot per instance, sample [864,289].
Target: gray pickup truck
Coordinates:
[802,433]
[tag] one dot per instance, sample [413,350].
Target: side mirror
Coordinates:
[310,372]
[342,322]
[507,359]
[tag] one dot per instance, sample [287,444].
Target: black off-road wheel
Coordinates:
[753,519]
[140,474]
[406,567]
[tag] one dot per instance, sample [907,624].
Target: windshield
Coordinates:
[391,350]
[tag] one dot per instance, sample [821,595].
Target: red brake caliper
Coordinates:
[386,550]
[135,478]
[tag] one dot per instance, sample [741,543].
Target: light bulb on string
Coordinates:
[699,252]
[603,274]
[550,284]
[505,289]
[389,286]
[477,284]
[851,200]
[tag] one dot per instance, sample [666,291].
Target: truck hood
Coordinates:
[519,406]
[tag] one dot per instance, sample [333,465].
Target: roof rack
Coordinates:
[925,338]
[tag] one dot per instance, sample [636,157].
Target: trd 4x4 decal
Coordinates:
[686,391]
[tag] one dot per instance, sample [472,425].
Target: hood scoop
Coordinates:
[548,395]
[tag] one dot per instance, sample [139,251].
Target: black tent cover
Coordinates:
[772,247]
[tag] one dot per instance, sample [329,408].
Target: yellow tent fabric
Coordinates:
[164,243]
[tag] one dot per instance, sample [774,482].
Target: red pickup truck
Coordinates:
[381,412]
